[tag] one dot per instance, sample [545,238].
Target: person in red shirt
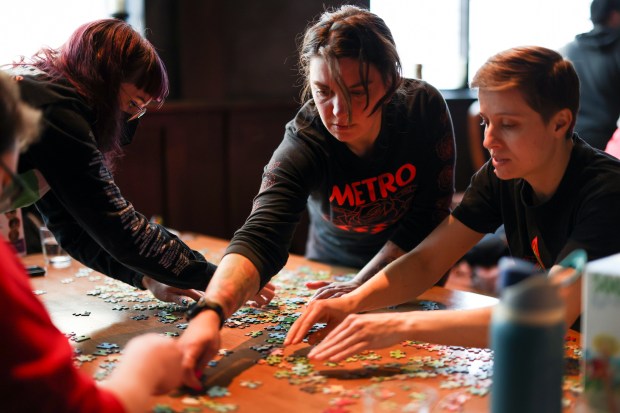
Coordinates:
[36,366]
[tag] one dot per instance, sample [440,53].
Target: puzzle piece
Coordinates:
[79,339]
[302,369]
[217,391]
[108,346]
[331,364]
[163,408]
[220,407]
[251,384]
[281,374]
[397,354]
[224,352]
[85,358]
[82,314]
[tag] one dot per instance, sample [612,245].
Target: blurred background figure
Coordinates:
[613,146]
[596,58]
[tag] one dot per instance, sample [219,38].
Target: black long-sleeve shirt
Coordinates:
[85,209]
[400,193]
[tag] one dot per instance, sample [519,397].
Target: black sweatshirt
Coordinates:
[84,208]
[400,193]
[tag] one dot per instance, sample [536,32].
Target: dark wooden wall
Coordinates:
[232,50]
[197,162]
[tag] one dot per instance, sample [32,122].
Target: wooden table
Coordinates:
[254,373]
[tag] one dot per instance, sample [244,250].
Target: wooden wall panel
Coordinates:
[196,182]
[253,134]
[232,50]
[464,168]
[139,174]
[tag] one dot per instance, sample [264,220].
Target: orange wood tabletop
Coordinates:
[253,372]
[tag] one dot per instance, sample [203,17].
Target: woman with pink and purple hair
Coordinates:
[92,92]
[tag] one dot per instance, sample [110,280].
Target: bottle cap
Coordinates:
[532,295]
[513,271]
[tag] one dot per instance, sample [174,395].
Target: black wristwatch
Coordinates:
[203,304]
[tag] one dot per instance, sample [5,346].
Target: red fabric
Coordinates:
[36,366]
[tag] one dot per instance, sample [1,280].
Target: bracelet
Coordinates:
[203,304]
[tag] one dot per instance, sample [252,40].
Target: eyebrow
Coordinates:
[139,96]
[514,114]
[356,85]
[144,101]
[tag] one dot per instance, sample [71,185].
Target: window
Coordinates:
[452,38]
[41,23]
[422,38]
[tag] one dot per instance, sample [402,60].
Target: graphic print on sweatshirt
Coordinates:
[373,204]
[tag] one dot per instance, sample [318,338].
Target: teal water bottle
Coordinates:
[527,339]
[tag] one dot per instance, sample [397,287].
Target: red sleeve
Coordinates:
[36,366]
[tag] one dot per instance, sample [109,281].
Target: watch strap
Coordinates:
[203,304]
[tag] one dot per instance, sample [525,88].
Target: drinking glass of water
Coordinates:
[53,253]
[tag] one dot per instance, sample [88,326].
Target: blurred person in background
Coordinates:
[596,58]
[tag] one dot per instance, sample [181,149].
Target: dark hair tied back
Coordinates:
[352,32]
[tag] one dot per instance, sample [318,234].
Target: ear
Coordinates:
[561,121]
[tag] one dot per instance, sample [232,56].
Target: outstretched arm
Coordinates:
[235,281]
[451,327]
[386,255]
[399,282]
[360,332]
[415,272]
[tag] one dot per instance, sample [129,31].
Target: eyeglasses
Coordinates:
[139,110]
[13,189]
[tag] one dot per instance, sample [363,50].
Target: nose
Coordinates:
[339,106]
[490,139]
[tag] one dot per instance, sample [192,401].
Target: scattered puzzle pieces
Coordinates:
[464,372]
